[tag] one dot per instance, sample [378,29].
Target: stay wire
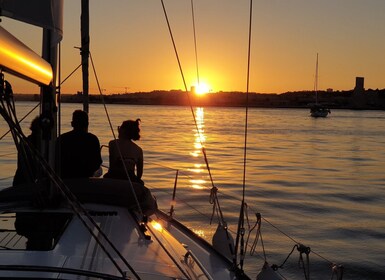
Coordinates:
[240,230]
[174,45]
[195,40]
[192,111]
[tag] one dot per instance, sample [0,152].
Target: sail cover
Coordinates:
[18,59]
[44,13]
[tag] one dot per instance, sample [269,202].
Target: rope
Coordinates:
[8,111]
[75,205]
[21,120]
[114,136]
[258,235]
[338,271]
[302,250]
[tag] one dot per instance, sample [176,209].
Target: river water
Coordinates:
[319,182]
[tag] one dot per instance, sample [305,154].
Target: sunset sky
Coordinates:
[132,49]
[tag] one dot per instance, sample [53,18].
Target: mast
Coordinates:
[316,81]
[48,14]
[85,50]
[48,99]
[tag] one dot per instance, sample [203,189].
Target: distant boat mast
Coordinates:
[316,81]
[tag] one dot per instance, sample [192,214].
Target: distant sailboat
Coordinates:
[318,110]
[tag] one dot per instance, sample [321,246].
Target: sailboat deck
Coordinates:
[69,245]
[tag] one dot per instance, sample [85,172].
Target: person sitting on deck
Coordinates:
[126,157]
[78,150]
[27,167]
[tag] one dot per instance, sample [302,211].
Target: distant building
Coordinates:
[359,88]
[329,90]
[358,98]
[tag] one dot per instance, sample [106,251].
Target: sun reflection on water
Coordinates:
[199,140]
[199,232]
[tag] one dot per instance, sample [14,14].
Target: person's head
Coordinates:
[129,130]
[35,125]
[79,120]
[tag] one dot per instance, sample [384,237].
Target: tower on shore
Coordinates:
[359,88]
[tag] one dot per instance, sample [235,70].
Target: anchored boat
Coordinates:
[317,109]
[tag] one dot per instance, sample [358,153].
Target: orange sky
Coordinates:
[132,50]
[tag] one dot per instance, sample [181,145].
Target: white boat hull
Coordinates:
[166,250]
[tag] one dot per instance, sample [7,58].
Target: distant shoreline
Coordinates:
[365,100]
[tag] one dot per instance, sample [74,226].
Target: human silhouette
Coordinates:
[126,157]
[78,150]
[27,167]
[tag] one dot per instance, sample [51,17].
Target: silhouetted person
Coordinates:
[130,153]
[27,166]
[79,150]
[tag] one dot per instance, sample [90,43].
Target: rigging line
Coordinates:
[295,241]
[114,136]
[10,117]
[240,229]
[195,40]
[174,45]
[192,111]
[71,74]
[102,97]
[58,93]
[37,105]
[8,154]
[247,101]
[71,198]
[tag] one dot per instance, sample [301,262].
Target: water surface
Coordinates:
[321,182]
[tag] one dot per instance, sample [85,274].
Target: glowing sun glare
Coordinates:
[202,88]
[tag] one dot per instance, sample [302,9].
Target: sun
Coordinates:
[201,88]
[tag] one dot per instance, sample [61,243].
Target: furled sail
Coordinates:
[18,59]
